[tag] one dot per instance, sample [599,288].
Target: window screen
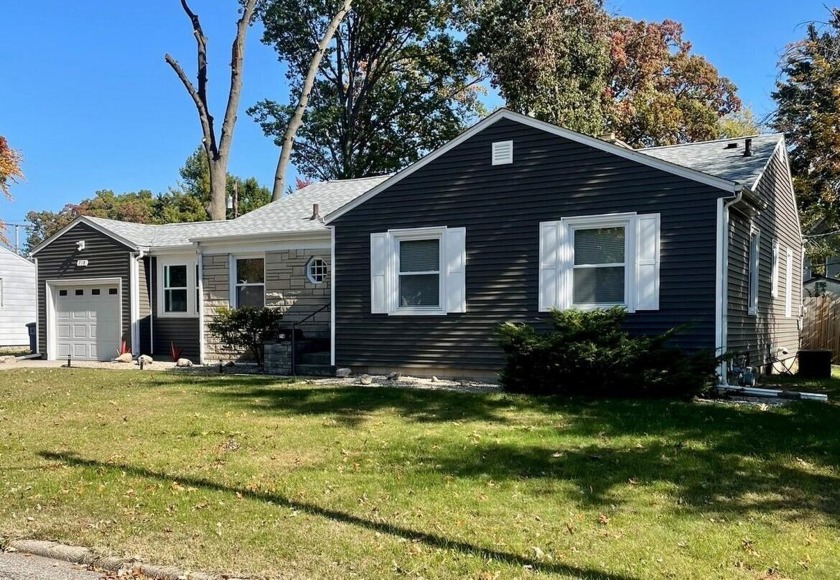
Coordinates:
[599,263]
[419,275]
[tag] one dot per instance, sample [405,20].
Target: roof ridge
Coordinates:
[722,140]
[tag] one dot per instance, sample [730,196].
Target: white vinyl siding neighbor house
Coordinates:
[17,298]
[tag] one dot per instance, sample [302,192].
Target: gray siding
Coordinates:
[107,258]
[763,334]
[501,208]
[182,331]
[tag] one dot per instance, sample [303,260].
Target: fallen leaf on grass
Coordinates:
[603,520]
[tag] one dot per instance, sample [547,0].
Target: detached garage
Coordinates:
[84,278]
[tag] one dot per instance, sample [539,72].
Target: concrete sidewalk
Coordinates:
[26,567]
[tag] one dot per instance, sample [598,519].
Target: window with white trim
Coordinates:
[249,289]
[774,275]
[789,284]
[316,270]
[418,271]
[176,287]
[752,277]
[600,261]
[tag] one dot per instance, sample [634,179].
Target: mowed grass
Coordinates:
[251,475]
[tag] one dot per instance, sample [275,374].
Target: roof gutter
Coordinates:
[259,237]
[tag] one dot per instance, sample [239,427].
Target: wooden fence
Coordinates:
[821,325]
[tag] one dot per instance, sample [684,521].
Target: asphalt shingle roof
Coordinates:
[719,159]
[293,213]
[289,215]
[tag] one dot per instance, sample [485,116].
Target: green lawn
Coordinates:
[829,386]
[250,475]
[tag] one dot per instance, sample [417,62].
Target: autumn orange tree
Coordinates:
[10,171]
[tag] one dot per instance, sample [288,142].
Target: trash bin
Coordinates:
[815,364]
[33,348]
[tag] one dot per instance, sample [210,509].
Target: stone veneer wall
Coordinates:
[286,288]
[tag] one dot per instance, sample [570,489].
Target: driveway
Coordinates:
[14,566]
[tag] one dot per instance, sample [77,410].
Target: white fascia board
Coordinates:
[630,154]
[321,241]
[267,236]
[97,227]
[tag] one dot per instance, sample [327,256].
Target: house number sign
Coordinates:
[81,263]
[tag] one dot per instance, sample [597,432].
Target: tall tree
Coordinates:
[395,83]
[738,124]
[195,175]
[808,112]
[547,58]
[659,92]
[217,151]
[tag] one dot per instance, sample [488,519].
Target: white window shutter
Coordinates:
[379,244]
[789,283]
[647,263]
[455,244]
[550,248]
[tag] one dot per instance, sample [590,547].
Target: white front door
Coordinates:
[87,321]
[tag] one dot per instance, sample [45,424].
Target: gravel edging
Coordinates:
[86,557]
[407,382]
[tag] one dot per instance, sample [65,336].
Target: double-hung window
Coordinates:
[599,266]
[418,276]
[752,277]
[175,288]
[418,271]
[600,261]
[249,286]
[789,284]
[177,284]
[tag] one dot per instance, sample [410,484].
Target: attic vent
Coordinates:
[502,152]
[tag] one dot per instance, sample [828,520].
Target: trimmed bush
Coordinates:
[246,328]
[590,354]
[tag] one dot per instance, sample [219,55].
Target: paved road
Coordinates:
[23,567]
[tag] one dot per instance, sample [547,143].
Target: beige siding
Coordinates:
[286,288]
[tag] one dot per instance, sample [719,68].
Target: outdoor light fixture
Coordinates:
[80,245]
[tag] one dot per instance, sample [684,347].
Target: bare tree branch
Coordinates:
[297,117]
[218,152]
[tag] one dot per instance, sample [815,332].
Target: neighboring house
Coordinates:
[830,265]
[820,285]
[17,298]
[103,281]
[516,217]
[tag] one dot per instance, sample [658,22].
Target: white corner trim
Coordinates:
[721,247]
[632,155]
[200,285]
[134,302]
[332,279]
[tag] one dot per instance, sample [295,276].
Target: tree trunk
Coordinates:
[218,152]
[218,183]
[297,117]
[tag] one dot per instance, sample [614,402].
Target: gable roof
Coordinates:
[717,175]
[9,251]
[722,158]
[292,213]
[289,215]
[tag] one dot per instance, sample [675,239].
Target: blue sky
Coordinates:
[88,100]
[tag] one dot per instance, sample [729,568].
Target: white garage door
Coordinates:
[87,321]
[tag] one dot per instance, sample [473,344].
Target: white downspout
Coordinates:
[200,305]
[722,272]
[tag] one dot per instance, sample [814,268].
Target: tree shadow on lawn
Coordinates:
[351,406]
[430,539]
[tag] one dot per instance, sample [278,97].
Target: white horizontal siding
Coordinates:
[18,298]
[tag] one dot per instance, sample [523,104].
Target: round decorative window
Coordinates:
[316,270]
